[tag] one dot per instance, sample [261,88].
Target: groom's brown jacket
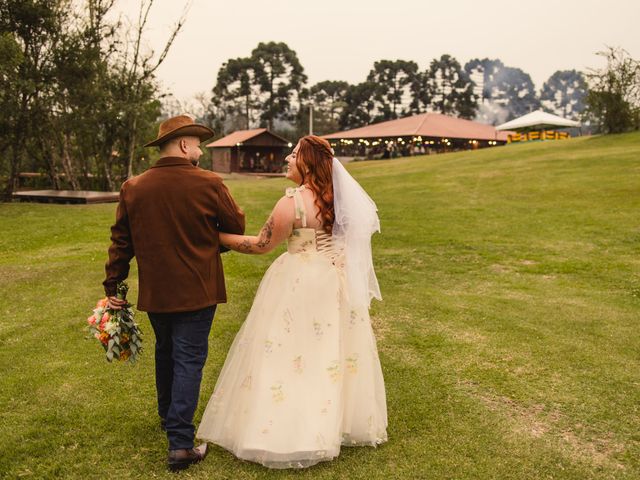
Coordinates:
[169,218]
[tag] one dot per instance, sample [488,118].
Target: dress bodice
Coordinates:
[302,240]
[307,240]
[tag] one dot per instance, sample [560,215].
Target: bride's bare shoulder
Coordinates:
[284,208]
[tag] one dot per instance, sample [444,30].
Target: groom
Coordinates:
[169,218]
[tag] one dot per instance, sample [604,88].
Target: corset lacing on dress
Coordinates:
[308,240]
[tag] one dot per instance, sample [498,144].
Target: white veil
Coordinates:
[356,220]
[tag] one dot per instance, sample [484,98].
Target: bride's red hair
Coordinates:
[315,163]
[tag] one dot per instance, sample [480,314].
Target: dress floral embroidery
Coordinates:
[287,319]
[303,355]
[334,371]
[277,393]
[317,328]
[352,363]
[297,364]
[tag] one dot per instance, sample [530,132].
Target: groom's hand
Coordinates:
[115,303]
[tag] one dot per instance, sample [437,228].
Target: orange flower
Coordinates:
[104,338]
[102,303]
[91,320]
[125,354]
[124,338]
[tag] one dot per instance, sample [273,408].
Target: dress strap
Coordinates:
[301,213]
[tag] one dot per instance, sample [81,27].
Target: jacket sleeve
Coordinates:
[230,216]
[121,250]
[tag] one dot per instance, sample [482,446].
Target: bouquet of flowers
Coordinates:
[116,329]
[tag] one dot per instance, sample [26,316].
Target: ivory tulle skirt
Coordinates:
[302,377]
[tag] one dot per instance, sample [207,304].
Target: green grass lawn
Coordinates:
[508,333]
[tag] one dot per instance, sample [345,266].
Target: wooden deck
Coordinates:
[66,196]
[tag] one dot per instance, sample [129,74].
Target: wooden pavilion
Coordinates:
[249,151]
[415,135]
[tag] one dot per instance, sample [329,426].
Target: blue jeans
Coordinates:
[182,341]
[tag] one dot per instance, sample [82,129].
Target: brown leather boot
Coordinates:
[184,458]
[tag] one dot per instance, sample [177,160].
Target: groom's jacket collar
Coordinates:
[171,161]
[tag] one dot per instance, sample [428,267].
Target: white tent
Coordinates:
[538,119]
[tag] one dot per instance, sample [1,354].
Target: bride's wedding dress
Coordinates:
[303,376]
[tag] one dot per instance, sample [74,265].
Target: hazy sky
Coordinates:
[340,39]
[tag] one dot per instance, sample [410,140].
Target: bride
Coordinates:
[303,376]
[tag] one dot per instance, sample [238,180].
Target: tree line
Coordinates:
[269,88]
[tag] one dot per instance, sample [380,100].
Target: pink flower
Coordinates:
[103,321]
[91,320]
[102,303]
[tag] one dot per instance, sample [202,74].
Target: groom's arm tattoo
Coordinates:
[266,233]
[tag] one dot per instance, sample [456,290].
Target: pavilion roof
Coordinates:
[539,119]
[240,136]
[425,125]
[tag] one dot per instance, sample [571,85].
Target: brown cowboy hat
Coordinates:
[180,126]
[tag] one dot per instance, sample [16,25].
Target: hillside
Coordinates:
[508,332]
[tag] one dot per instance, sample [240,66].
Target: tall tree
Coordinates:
[137,75]
[505,92]
[515,88]
[614,93]
[360,106]
[31,29]
[84,96]
[484,74]
[492,107]
[564,94]
[238,90]
[395,82]
[10,60]
[446,88]
[329,101]
[281,78]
